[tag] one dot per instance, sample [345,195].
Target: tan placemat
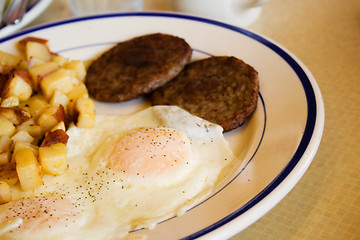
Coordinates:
[325,204]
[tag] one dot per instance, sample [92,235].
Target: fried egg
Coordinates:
[128,172]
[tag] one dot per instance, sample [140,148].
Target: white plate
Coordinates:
[32,12]
[274,148]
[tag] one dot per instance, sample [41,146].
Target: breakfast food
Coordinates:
[66,173]
[222,90]
[41,94]
[136,67]
[125,173]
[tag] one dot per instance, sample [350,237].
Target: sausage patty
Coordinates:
[222,90]
[136,67]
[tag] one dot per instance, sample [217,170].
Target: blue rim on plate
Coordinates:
[312,105]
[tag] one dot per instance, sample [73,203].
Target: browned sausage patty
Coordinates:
[136,67]
[222,90]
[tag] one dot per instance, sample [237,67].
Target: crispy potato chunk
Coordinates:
[4,78]
[77,68]
[60,125]
[52,116]
[7,128]
[5,157]
[59,98]
[14,115]
[53,159]
[22,136]
[28,170]
[53,137]
[78,91]
[12,101]
[19,146]
[38,50]
[31,127]
[22,43]
[5,192]
[8,173]
[86,112]
[39,71]
[35,105]
[19,85]
[8,61]
[60,60]
[5,143]
[33,61]
[57,80]
[5,150]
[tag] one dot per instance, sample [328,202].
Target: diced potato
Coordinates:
[37,72]
[31,127]
[38,50]
[5,149]
[18,85]
[5,143]
[53,137]
[53,159]
[50,117]
[8,61]
[22,136]
[77,92]
[8,173]
[7,128]
[60,125]
[33,61]
[5,157]
[60,60]
[5,193]
[59,98]
[22,43]
[57,80]
[86,109]
[78,69]
[19,146]
[46,122]
[35,105]
[74,79]
[59,113]
[43,69]
[15,115]
[23,64]
[28,170]
[9,114]
[12,101]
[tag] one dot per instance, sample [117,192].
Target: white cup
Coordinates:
[89,7]
[238,12]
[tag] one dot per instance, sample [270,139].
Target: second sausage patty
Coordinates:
[222,90]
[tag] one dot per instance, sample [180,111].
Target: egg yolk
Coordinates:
[148,152]
[38,213]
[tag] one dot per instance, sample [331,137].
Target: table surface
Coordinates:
[325,36]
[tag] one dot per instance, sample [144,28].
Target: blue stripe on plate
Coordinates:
[308,131]
[307,86]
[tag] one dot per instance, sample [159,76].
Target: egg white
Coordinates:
[115,202]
